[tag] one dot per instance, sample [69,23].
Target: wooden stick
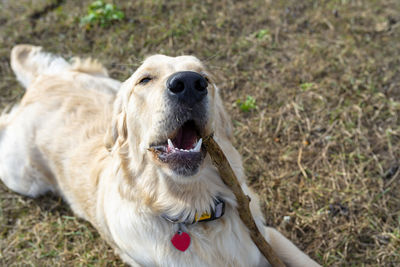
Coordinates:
[229,178]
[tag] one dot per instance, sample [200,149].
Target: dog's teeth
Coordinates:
[198,146]
[170,144]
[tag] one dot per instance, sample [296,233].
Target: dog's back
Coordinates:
[57,93]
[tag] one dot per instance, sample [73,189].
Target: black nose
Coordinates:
[187,86]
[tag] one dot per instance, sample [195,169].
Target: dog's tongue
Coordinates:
[186,137]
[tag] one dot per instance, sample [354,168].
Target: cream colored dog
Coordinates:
[128,158]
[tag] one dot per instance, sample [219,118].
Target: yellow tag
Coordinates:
[203,216]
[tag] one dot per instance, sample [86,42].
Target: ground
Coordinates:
[321,143]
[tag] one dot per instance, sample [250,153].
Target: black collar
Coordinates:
[216,213]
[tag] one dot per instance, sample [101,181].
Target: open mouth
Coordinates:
[182,151]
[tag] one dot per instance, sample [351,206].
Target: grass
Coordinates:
[101,13]
[247,105]
[322,148]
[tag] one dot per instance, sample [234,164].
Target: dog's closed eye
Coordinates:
[145,80]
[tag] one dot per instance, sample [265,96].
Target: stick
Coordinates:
[229,178]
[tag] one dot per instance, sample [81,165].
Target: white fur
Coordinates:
[38,61]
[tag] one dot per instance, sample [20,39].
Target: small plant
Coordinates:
[263,34]
[306,86]
[248,105]
[103,14]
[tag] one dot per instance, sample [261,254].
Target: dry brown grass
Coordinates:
[322,147]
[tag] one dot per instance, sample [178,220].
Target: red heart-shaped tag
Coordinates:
[181,240]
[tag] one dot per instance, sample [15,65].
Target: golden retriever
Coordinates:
[128,157]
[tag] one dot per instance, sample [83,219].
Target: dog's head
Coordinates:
[163,111]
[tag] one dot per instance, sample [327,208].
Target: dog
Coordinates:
[128,157]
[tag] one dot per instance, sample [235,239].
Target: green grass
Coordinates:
[101,13]
[247,105]
[323,145]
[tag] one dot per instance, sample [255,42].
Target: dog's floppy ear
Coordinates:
[117,134]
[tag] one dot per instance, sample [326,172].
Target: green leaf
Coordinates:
[100,13]
[248,105]
[263,34]
[306,86]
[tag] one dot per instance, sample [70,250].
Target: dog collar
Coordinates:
[216,213]
[181,239]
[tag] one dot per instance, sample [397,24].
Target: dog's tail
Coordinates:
[28,62]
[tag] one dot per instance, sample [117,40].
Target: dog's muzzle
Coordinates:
[184,124]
